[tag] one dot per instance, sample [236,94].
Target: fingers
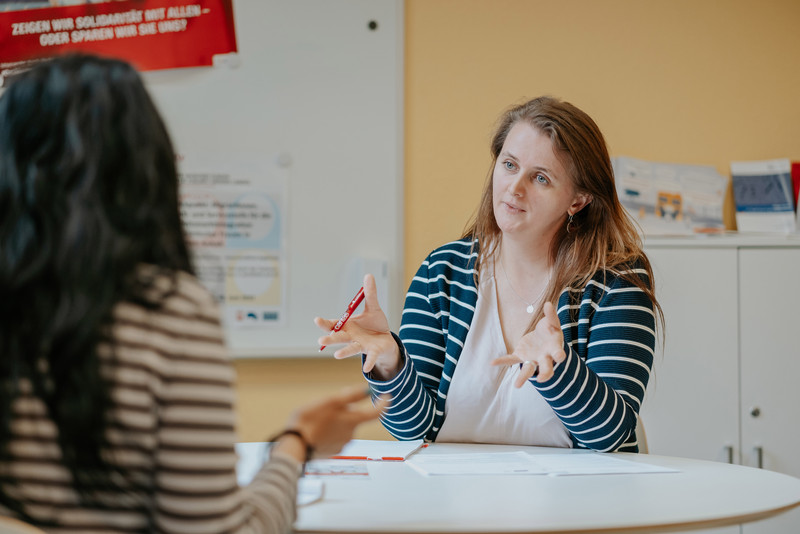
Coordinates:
[369,362]
[543,348]
[527,368]
[329,423]
[353,348]
[370,293]
[551,316]
[373,412]
[351,394]
[508,359]
[540,369]
[526,372]
[382,402]
[345,352]
[545,370]
[351,414]
[327,326]
[559,356]
[324,324]
[342,337]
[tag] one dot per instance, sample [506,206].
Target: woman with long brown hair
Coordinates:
[538,326]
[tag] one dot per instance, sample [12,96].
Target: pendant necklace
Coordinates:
[530,307]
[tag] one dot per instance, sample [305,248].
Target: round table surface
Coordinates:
[395,498]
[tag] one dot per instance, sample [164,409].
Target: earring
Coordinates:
[570,224]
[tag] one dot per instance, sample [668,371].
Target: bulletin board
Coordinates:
[308,113]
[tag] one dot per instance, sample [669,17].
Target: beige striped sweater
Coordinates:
[173,405]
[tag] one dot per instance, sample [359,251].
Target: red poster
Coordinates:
[150,34]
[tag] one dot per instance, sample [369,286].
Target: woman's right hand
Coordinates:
[327,425]
[367,333]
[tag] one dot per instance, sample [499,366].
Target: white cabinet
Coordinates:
[769,340]
[726,385]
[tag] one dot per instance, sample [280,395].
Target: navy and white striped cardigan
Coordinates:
[596,392]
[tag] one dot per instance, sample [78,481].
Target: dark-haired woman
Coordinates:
[116,391]
[538,326]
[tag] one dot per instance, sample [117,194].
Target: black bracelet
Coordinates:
[293,432]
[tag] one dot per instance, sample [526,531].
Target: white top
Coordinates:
[483,406]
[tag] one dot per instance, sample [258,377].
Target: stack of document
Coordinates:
[765,200]
[671,198]
[363,452]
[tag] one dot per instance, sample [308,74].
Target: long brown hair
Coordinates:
[601,236]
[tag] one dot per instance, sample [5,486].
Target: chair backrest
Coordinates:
[9,525]
[641,437]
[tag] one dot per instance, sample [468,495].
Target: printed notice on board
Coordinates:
[234,216]
[149,34]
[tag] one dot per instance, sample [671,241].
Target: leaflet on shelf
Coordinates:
[764,196]
[671,198]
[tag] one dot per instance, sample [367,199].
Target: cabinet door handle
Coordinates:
[729,452]
[755,411]
[759,450]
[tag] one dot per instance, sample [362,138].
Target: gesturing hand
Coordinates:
[328,424]
[367,333]
[538,350]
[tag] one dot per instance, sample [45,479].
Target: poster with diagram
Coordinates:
[234,217]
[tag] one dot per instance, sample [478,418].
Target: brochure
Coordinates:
[671,198]
[764,196]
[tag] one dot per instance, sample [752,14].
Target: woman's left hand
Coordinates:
[538,350]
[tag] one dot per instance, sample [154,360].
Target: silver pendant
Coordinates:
[529,309]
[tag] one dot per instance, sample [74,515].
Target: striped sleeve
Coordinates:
[171,433]
[414,389]
[610,344]
[196,489]
[438,310]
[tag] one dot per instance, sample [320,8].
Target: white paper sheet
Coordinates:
[521,463]
[593,464]
[500,463]
[309,490]
[337,468]
[251,458]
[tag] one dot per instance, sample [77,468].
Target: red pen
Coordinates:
[346,315]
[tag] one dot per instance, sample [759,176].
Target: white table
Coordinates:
[397,499]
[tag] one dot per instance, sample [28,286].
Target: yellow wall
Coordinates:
[684,81]
[269,391]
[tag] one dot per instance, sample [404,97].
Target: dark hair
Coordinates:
[88,195]
[602,236]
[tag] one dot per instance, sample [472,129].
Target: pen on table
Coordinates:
[347,313]
[380,458]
